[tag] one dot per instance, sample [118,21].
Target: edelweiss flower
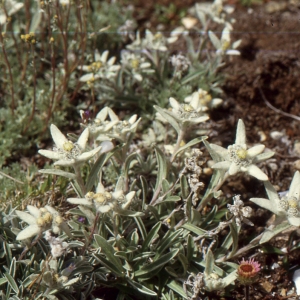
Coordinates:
[237,158]
[157,41]
[104,201]
[287,206]
[40,220]
[204,99]
[223,46]
[104,121]
[121,129]
[136,65]
[216,11]
[100,68]
[66,152]
[187,113]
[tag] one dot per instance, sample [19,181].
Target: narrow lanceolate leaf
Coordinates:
[209,262]
[141,288]
[162,167]
[93,176]
[193,228]
[176,287]
[169,239]
[12,282]
[59,173]
[163,260]
[190,144]
[151,235]
[268,234]
[109,251]
[215,40]
[168,117]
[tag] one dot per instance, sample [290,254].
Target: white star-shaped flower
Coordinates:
[100,68]
[104,201]
[238,158]
[284,207]
[40,220]
[66,152]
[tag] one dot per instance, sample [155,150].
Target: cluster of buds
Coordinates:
[180,63]
[57,245]
[29,38]
[193,166]
[239,211]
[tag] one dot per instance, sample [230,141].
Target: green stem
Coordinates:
[79,180]
[177,146]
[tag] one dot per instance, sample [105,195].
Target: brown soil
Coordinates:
[266,75]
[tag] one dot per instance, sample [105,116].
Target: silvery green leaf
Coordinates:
[157,264]
[192,76]
[184,185]
[270,233]
[173,285]
[72,281]
[141,288]
[59,173]
[201,16]
[165,114]
[162,168]
[109,251]
[151,235]
[47,278]
[209,262]
[189,144]
[12,282]
[230,278]
[215,40]
[195,229]
[3,280]
[12,268]
[169,239]
[171,199]
[88,213]
[128,213]
[36,19]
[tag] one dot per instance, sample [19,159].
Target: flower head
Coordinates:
[66,152]
[204,99]
[136,65]
[104,201]
[40,220]
[238,158]
[100,68]
[248,271]
[285,207]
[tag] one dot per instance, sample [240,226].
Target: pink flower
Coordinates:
[248,271]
